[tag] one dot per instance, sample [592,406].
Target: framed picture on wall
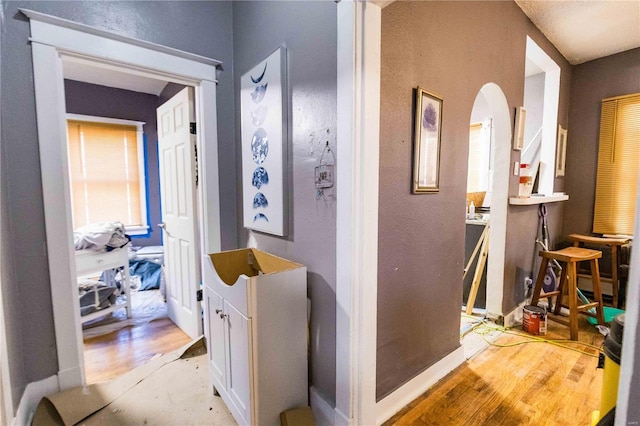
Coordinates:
[426,147]
[518,128]
[263,107]
[561,151]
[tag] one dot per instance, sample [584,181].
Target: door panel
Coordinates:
[177,189]
[215,337]
[239,360]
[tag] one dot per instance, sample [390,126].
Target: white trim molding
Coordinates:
[323,411]
[398,399]
[629,376]
[32,395]
[54,40]
[358,131]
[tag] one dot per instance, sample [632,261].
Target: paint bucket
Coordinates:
[534,320]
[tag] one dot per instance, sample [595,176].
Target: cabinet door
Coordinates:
[239,361]
[215,334]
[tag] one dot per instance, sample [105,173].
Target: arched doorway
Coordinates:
[491,109]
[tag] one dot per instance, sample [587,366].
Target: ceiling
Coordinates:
[582,30]
[587,29]
[80,70]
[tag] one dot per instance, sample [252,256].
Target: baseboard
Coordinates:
[393,403]
[323,412]
[31,397]
[515,316]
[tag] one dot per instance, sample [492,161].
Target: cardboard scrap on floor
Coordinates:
[172,389]
[302,416]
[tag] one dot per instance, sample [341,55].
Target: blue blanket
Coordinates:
[149,272]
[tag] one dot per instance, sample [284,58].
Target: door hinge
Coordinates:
[192,128]
[199,295]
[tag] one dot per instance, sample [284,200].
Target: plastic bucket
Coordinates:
[611,375]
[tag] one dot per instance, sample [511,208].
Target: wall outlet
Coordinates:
[528,285]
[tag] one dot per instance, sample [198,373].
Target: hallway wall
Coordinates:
[453,49]
[592,81]
[25,281]
[308,32]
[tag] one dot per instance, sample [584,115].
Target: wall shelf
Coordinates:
[538,199]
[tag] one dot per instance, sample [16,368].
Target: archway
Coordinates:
[501,160]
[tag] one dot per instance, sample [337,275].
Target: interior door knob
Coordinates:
[163,226]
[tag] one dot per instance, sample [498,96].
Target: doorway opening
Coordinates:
[53,41]
[541,97]
[486,224]
[115,188]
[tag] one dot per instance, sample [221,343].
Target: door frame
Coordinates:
[53,39]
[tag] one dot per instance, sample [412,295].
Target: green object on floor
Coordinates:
[609,314]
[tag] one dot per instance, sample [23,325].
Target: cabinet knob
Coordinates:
[218,311]
[222,316]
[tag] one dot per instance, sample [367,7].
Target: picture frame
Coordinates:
[518,128]
[263,108]
[426,147]
[561,151]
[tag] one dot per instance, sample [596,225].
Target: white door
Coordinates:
[176,152]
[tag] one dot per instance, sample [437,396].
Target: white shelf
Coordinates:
[538,199]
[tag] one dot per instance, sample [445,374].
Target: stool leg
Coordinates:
[562,288]
[573,300]
[538,287]
[597,290]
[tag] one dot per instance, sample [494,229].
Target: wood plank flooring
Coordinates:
[529,384]
[113,354]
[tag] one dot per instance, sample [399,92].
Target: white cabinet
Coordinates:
[256,331]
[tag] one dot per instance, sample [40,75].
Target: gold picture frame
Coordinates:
[561,151]
[518,128]
[426,147]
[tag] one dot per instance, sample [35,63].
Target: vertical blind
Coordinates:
[104,173]
[618,166]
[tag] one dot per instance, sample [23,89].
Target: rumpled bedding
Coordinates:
[100,235]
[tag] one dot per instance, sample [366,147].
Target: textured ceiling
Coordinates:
[588,29]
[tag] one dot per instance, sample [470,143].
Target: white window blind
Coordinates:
[618,166]
[107,180]
[478,177]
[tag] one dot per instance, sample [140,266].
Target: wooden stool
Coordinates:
[568,284]
[614,243]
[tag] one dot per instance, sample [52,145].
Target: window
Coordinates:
[107,174]
[479,175]
[618,165]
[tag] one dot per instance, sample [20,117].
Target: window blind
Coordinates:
[618,166]
[479,154]
[104,173]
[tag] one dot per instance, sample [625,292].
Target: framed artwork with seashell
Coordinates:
[263,108]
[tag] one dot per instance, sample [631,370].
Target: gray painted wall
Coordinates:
[101,101]
[204,28]
[421,237]
[308,31]
[533,103]
[592,81]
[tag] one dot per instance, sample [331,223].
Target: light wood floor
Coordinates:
[530,384]
[113,354]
